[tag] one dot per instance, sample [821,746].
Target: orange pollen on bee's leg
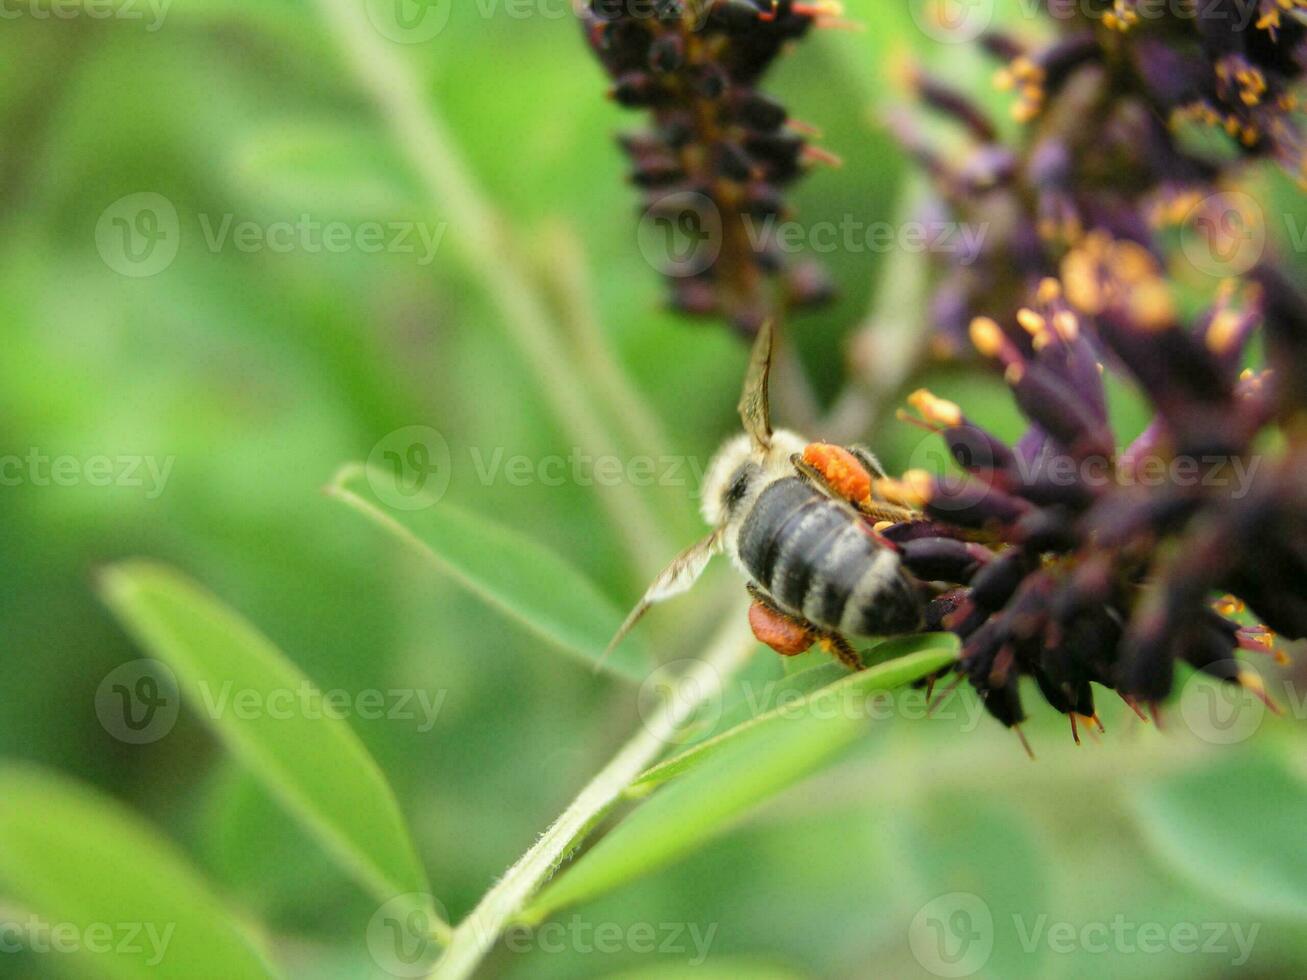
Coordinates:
[785,635]
[841,470]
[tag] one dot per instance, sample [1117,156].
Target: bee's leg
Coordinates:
[790,636]
[844,475]
[869,460]
[786,634]
[841,649]
[877,507]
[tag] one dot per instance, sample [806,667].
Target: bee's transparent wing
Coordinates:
[676,579]
[755,407]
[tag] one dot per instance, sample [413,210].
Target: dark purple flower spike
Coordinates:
[720,153]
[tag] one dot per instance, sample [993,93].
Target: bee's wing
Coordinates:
[676,579]
[755,407]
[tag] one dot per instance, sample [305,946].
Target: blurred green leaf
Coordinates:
[514,574]
[982,887]
[326,169]
[726,777]
[811,693]
[261,857]
[1230,829]
[84,866]
[310,759]
[285,21]
[725,968]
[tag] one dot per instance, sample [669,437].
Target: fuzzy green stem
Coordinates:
[476,935]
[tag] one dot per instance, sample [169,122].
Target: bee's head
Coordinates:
[740,470]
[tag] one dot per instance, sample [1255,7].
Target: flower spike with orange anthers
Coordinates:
[1056,559]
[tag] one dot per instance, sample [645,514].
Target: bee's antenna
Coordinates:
[755,403]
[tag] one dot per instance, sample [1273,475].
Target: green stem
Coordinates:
[421,134]
[476,935]
[893,340]
[568,271]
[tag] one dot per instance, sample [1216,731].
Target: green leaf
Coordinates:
[85,866]
[723,968]
[933,653]
[516,575]
[979,885]
[326,169]
[1230,829]
[725,777]
[303,753]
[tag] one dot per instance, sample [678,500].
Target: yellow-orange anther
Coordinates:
[1050,290]
[1230,606]
[1223,332]
[935,410]
[1031,322]
[918,487]
[987,335]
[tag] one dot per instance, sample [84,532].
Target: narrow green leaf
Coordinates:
[515,574]
[110,890]
[934,652]
[724,778]
[1231,829]
[272,717]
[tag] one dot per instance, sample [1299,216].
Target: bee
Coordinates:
[798,520]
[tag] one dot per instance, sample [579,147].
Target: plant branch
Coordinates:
[568,271]
[893,340]
[476,935]
[422,136]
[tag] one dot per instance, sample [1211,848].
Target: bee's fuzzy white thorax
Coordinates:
[732,460]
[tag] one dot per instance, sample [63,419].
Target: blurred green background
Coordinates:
[257,372]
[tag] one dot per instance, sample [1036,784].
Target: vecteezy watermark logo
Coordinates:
[910,704]
[138,235]
[952,21]
[579,468]
[1217,709]
[39,469]
[307,701]
[853,235]
[680,234]
[145,941]
[1224,235]
[1234,476]
[410,468]
[689,940]
[1239,16]
[138,702]
[691,15]
[1230,941]
[409,21]
[676,702]
[312,236]
[150,12]
[953,935]
[402,937]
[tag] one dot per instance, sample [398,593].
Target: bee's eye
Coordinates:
[738,488]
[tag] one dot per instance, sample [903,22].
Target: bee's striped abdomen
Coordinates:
[817,560]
